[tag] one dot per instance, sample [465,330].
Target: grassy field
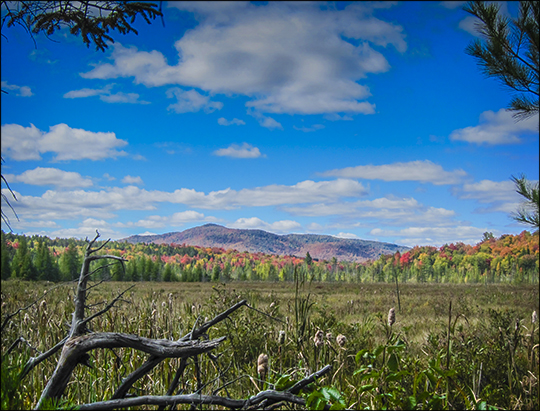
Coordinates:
[490,347]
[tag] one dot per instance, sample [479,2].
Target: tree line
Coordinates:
[507,259]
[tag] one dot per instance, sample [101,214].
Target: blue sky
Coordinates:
[359,120]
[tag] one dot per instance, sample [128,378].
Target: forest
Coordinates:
[512,259]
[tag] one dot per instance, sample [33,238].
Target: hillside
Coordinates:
[322,247]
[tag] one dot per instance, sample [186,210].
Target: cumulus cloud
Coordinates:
[496,128]
[22,91]
[106,95]
[191,101]
[500,196]
[176,219]
[42,176]
[283,226]
[390,210]
[222,121]
[28,143]
[288,57]
[132,180]
[53,204]
[434,236]
[421,171]
[244,151]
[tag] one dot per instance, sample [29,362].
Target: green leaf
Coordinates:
[411,402]
[392,362]
[367,387]
[360,354]
[283,383]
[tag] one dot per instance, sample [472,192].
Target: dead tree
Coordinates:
[80,340]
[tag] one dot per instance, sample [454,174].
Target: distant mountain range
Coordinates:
[321,247]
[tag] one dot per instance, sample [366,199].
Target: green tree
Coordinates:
[168,273]
[22,266]
[528,213]
[46,268]
[5,265]
[509,51]
[70,263]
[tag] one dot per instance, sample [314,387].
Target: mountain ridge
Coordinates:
[321,247]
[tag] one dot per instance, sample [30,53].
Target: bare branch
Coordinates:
[268,396]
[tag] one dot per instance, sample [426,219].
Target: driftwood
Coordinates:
[80,340]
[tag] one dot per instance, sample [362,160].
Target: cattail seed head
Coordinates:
[319,338]
[534,318]
[262,365]
[391,316]
[281,338]
[341,340]
[329,336]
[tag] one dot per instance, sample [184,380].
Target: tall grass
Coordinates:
[485,353]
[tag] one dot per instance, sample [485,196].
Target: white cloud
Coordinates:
[421,171]
[500,196]
[131,98]
[265,121]
[314,127]
[496,128]
[289,57]
[88,92]
[191,101]
[132,180]
[106,95]
[283,226]
[434,236]
[244,151]
[176,219]
[61,205]
[22,91]
[87,229]
[42,176]
[346,235]
[222,121]
[28,143]
[392,211]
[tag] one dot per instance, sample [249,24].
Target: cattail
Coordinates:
[534,318]
[391,316]
[329,336]
[319,338]
[43,306]
[164,305]
[262,366]
[341,340]
[281,338]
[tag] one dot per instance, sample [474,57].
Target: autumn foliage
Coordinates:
[507,259]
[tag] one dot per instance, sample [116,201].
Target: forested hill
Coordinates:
[507,259]
[322,247]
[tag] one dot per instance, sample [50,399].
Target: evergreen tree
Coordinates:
[167,273]
[70,263]
[510,51]
[45,266]
[22,266]
[529,213]
[5,264]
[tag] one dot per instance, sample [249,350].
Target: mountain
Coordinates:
[322,247]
